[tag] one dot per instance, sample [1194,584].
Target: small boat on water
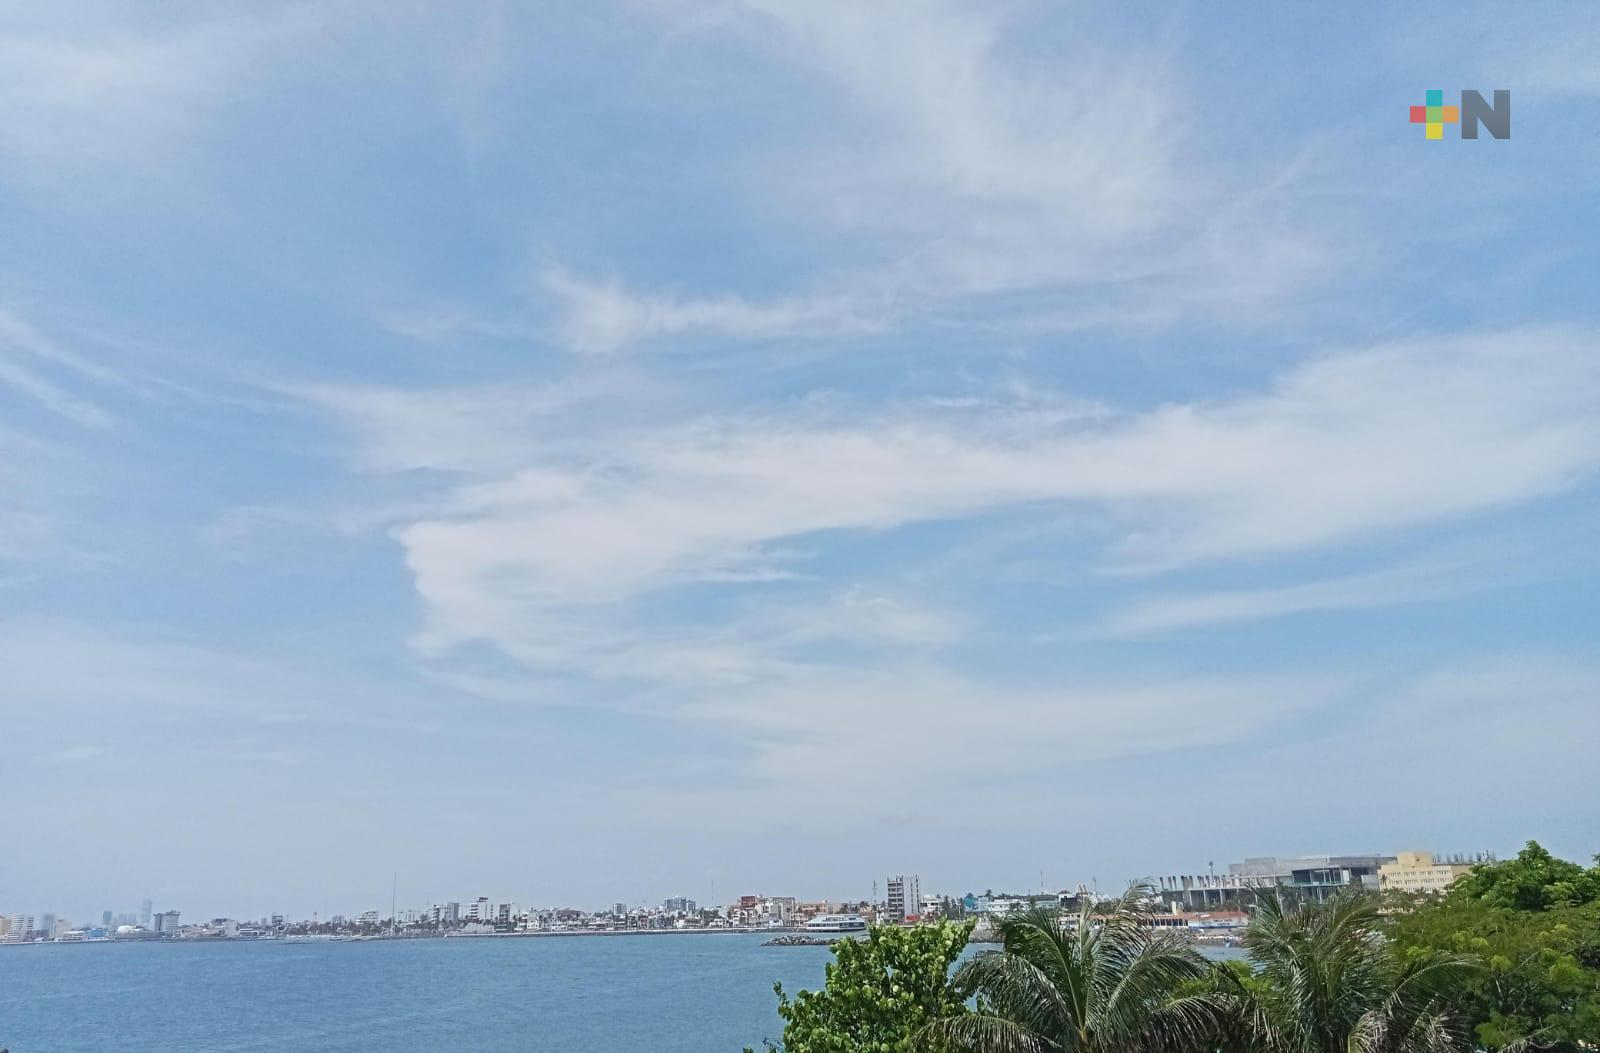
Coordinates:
[837,923]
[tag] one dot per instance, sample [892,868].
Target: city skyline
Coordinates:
[879,890]
[605,449]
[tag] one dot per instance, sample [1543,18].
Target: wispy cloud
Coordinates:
[599,317]
[970,174]
[821,733]
[1417,577]
[1343,447]
[25,353]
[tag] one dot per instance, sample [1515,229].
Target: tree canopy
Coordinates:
[1535,923]
[1096,981]
[879,993]
[1534,880]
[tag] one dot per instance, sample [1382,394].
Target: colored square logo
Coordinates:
[1434,114]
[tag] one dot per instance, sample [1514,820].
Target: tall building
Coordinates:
[904,898]
[105,919]
[1422,872]
[144,914]
[678,905]
[166,922]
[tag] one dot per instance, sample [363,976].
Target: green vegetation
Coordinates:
[1326,980]
[1534,922]
[879,994]
[1095,982]
[1535,880]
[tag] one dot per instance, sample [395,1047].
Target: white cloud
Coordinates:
[972,175]
[1432,575]
[599,317]
[1340,448]
[25,351]
[115,99]
[75,105]
[1377,589]
[826,735]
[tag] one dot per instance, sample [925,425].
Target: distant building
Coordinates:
[904,898]
[1423,872]
[1314,878]
[678,905]
[166,922]
[1218,919]
[144,914]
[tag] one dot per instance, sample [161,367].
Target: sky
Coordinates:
[581,452]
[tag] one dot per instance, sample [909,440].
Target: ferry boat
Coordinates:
[837,923]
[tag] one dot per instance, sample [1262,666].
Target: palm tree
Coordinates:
[1328,981]
[1094,982]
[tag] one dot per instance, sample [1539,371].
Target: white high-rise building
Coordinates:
[904,897]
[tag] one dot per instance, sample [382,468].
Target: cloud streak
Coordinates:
[968,177]
[1344,447]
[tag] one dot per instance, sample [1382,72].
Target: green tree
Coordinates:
[1327,980]
[1534,880]
[879,992]
[1098,981]
[1541,985]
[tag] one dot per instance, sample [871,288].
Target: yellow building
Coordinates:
[1419,872]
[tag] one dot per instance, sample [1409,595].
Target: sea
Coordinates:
[688,993]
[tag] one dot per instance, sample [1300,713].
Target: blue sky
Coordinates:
[590,452]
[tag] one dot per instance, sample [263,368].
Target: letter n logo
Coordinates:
[1496,118]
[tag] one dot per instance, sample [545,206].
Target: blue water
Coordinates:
[672,994]
[583,994]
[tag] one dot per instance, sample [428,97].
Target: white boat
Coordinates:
[837,923]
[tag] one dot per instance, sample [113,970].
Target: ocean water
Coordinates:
[583,994]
